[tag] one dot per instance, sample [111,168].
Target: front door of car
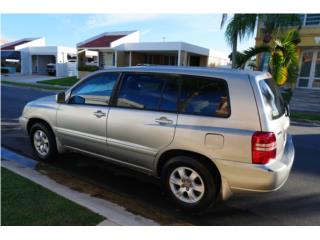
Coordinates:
[143,118]
[81,122]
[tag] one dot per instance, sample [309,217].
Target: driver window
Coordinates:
[96,90]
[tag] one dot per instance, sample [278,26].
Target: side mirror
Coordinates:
[61,97]
[77,100]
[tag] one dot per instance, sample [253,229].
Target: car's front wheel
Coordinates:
[189,183]
[43,142]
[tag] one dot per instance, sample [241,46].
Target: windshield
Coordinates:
[272,98]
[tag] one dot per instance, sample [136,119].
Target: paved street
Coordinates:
[297,203]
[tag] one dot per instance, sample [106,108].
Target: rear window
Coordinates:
[204,96]
[272,98]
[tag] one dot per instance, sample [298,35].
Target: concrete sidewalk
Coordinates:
[115,215]
[26,78]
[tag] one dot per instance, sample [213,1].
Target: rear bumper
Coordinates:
[244,177]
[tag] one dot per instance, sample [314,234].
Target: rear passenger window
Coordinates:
[204,96]
[148,91]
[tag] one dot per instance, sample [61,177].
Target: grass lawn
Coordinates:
[67,81]
[33,85]
[24,203]
[305,116]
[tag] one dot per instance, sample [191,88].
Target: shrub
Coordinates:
[88,68]
[287,94]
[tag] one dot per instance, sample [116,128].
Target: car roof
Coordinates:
[199,71]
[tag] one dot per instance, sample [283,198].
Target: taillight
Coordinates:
[264,147]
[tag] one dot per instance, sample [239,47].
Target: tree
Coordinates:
[283,63]
[271,25]
[243,25]
[240,26]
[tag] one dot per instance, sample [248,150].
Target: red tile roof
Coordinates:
[104,41]
[13,45]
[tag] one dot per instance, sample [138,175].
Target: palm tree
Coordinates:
[272,25]
[283,62]
[243,25]
[240,26]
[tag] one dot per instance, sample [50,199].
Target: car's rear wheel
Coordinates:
[189,183]
[43,142]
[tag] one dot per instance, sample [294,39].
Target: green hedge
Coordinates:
[88,68]
[67,81]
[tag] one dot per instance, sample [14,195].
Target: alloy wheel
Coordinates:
[41,142]
[186,184]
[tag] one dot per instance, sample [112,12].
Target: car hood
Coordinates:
[49,101]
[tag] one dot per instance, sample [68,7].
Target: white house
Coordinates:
[125,49]
[34,60]
[31,56]
[99,50]
[161,53]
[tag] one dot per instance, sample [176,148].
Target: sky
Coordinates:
[69,29]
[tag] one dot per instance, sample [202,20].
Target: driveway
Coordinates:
[16,77]
[296,203]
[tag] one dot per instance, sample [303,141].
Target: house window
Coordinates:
[302,17]
[312,19]
[72,57]
[170,60]
[316,81]
[148,59]
[309,74]
[306,64]
[303,82]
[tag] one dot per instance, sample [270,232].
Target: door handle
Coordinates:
[163,120]
[99,114]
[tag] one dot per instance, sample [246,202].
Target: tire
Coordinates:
[39,132]
[191,197]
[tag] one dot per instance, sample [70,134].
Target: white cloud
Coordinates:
[108,20]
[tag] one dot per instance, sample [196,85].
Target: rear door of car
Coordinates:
[205,123]
[274,114]
[143,117]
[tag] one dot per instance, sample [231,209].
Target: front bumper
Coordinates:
[244,177]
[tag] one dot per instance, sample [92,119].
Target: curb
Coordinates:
[115,215]
[305,123]
[35,85]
